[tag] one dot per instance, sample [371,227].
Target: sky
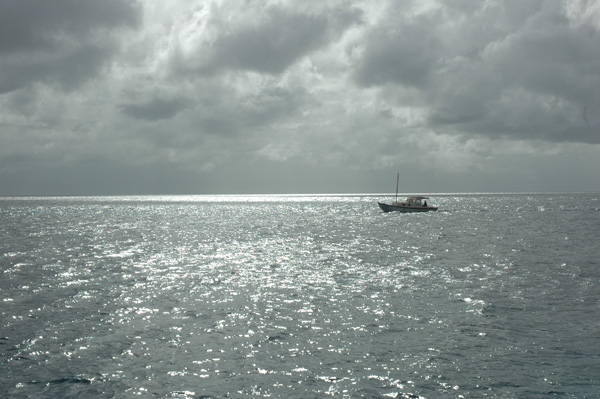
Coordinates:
[123,97]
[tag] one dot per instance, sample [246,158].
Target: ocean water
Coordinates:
[493,296]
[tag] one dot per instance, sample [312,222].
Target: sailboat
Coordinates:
[410,204]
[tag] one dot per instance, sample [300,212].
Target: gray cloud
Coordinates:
[69,69]
[510,69]
[268,43]
[155,108]
[214,95]
[64,40]
[270,46]
[404,51]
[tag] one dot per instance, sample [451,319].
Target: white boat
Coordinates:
[411,204]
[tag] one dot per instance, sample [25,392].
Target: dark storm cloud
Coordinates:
[69,68]
[271,46]
[270,43]
[155,108]
[64,40]
[404,52]
[505,69]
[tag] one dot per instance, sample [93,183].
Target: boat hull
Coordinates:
[406,208]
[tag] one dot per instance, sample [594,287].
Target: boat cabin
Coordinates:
[414,201]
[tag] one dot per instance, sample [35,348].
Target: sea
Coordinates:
[300,296]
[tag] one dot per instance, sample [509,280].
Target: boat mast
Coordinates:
[397,180]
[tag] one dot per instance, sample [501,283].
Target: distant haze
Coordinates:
[207,97]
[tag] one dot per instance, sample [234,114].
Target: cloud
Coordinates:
[63,41]
[242,90]
[404,50]
[155,108]
[268,40]
[498,68]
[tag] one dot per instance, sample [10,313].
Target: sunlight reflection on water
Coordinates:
[295,296]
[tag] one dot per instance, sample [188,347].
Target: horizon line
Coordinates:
[358,194]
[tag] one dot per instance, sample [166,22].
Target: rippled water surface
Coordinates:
[300,296]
